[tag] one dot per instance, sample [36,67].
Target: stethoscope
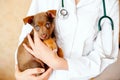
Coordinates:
[105,17]
[63,13]
[104,46]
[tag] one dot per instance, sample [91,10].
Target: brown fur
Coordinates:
[44,24]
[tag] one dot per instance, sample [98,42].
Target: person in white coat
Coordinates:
[87,51]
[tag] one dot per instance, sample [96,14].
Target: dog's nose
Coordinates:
[44,35]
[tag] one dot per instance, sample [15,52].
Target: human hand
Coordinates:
[42,52]
[38,48]
[29,74]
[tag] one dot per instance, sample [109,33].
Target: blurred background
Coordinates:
[11,14]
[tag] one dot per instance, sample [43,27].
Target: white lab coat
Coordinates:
[79,38]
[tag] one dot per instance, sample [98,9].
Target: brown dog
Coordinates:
[44,24]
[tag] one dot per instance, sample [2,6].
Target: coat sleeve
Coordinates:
[105,48]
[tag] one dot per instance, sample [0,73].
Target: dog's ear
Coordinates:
[28,19]
[51,13]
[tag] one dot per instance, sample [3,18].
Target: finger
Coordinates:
[17,71]
[30,41]
[46,74]
[34,71]
[55,50]
[36,38]
[28,49]
[16,68]
[36,35]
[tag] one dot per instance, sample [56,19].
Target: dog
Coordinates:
[44,24]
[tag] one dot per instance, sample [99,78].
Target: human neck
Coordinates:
[77,1]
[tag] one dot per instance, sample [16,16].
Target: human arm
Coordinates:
[96,61]
[30,74]
[26,29]
[42,52]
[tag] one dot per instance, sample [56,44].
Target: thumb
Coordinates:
[36,35]
[46,74]
[55,50]
[17,71]
[16,68]
[34,71]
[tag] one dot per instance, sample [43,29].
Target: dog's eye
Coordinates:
[37,28]
[48,25]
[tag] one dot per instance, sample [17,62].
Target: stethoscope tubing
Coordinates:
[100,29]
[105,16]
[64,14]
[62,3]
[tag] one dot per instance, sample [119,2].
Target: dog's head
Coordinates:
[43,23]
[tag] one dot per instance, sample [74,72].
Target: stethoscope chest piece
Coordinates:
[63,13]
